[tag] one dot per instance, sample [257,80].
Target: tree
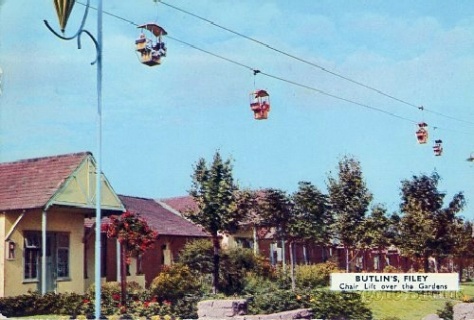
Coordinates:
[463,244]
[249,211]
[349,199]
[314,220]
[134,236]
[379,232]
[277,210]
[213,189]
[427,229]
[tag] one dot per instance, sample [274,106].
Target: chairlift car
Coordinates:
[422,133]
[150,44]
[438,148]
[260,104]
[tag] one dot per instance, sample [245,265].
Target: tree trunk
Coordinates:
[255,240]
[305,254]
[461,268]
[381,260]
[123,275]
[215,277]
[426,263]
[348,269]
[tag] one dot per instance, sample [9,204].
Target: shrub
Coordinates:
[198,255]
[275,301]
[33,303]
[110,298]
[327,304]
[447,312]
[391,269]
[314,276]
[256,284]
[235,264]
[324,304]
[173,283]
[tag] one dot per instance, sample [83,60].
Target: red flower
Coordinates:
[116,296]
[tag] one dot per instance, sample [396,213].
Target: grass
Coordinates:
[413,305]
[405,305]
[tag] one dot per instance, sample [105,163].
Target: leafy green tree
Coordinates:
[463,244]
[426,228]
[277,211]
[379,231]
[313,219]
[249,209]
[213,189]
[349,199]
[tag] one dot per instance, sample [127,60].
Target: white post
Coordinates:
[119,261]
[98,189]
[43,252]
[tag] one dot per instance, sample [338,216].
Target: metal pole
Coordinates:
[98,189]
[43,251]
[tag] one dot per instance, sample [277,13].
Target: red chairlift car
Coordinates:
[422,133]
[151,50]
[438,148]
[260,104]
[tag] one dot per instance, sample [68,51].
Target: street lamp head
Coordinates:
[63,10]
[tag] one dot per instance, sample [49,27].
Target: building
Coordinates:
[173,230]
[43,204]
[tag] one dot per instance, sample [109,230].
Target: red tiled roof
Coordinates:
[162,219]
[28,184]
[181,204]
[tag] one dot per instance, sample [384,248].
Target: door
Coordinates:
[51,259]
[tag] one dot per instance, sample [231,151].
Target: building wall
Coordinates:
[165,252]
[2,255]
[89,256]
[58,220]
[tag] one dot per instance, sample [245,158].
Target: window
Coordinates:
[244,243]
[57,254]
[32,255]
[62,240]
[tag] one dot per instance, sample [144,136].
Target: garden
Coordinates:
[175,292]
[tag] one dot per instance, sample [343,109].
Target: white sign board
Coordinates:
[394,281]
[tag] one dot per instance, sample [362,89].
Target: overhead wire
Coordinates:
[311,88]
[305,61]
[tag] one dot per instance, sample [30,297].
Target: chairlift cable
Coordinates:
[292,56]
[254,70]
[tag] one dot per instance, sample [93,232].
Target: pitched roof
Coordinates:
[28,184]
[161,219]
[181,204]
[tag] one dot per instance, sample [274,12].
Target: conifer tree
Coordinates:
[213,189]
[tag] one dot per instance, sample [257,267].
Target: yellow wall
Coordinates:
[2,254]
[58,220]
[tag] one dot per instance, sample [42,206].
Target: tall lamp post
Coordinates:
[63,9]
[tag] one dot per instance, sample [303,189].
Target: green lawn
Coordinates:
[411,305]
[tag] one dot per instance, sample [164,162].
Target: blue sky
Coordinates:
[157,122]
